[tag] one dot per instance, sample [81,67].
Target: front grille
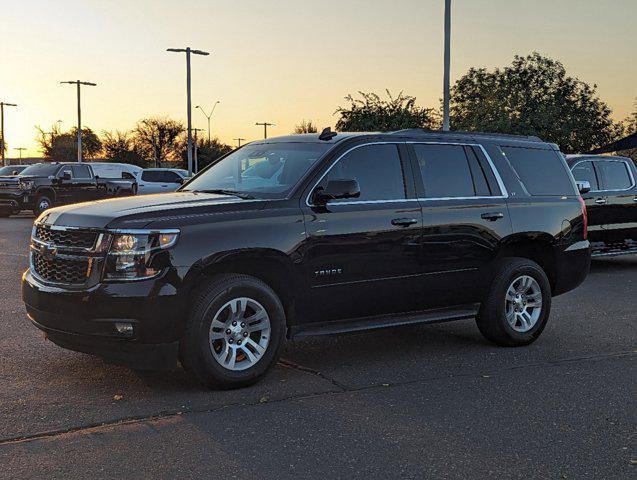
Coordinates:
[66,238]
[8,186]
[60,270]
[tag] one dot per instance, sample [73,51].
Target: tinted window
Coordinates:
[64,171]
[541,171]
[128,176]
[153,176]
[614,175]
[81,171]
[264,170]
[377,169]
[171,177]
[445,171]
[584,171]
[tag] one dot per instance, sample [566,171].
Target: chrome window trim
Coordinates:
[618,160]
[358,202]
[503,191]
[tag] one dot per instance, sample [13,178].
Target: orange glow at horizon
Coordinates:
[283,61]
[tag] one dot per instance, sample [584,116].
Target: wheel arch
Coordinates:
[47,190]
[271,266]
[536,246]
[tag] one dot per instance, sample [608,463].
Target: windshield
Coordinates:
[260,170]
[10,170]
[40,170]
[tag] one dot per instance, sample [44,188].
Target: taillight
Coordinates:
[584,216]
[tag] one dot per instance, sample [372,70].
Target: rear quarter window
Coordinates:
[542,172]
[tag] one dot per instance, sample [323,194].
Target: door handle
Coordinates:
[403,222]
[492,216]
[600,201]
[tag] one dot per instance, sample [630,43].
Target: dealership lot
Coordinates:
[407,402]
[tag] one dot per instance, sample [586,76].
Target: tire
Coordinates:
[511,321]
[215,300]
[42,203]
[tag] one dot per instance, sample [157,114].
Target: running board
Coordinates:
[460,312]
[614,253]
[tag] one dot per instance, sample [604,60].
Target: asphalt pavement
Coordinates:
[429,401]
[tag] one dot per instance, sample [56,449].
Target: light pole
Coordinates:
[265,128]
[188,51]
[238,141]
[447,57]
[19,149]
[196,161]
[208,116]
[2,148]
[79,115]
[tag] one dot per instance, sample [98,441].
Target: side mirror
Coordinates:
[180,181]
[66,176]
[583,186]
[337,189]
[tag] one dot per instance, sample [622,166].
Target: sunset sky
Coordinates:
[283,60]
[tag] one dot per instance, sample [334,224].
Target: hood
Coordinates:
[140,211]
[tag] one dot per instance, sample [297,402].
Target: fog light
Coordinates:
[124,328]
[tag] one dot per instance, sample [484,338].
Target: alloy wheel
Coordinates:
[523,303]
[239,333]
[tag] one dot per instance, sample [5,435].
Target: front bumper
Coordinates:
[12,199]
[85,320]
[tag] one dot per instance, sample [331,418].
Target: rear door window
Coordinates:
[153,176]
[378,170]
[542,172]
[585,172]
[614,175]
[450,171]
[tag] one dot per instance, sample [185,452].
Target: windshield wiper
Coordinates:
[223,191]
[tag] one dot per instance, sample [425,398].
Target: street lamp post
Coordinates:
[2,148]
[447,58]
[20,149]
[265,128]
[208,116]
[79,115]
[239,140]
[188,51]
[196,161]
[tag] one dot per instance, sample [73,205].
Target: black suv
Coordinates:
[610,193]
[312,234]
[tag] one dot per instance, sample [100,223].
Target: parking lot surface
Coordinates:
[423,401]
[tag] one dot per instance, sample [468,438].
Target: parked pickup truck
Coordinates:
[611,199]
[44,185]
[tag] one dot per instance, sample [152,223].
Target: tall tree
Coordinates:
[306,126]
[157,139]
[372,113]
[60,146]
[533,96]
[121,147]
[207,152]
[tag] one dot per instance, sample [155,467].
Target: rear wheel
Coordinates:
[42,203]
[518,304]
[235,332]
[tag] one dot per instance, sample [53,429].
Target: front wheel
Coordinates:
[517,305]
[42,203]
[235,332]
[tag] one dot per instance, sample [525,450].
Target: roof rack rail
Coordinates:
[415,131]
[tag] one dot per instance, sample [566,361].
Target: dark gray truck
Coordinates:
[45,185]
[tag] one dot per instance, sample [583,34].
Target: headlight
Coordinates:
[25,185]
[138,254]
